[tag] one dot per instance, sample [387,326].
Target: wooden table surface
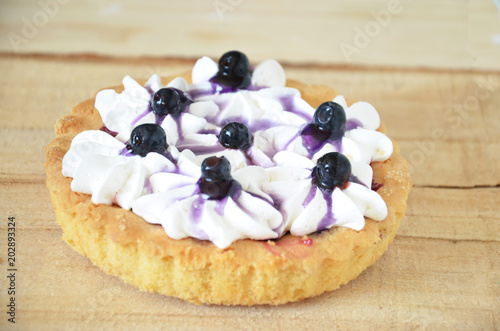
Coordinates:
[443,269]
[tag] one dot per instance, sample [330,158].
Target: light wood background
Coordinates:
[462,34]
[433,72]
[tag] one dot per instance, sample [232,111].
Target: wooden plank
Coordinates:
[454,214]
[448,138]
[433,34]
[23,153]
[433,213]
[417,284]
[451,164]
[30,203]
[414,104]
[49,87]
[441,271]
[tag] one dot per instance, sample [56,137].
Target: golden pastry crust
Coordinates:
[246,273]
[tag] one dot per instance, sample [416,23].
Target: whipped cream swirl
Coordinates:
[273,192]
[98,166]
[307,209]
[183,211]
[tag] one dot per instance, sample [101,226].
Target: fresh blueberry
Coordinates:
[235,135]
[215,190]
[332,170]
[216,180]
[147,138]
[234,70]
[169,101]
[216,168]
[234,63]
[330,116]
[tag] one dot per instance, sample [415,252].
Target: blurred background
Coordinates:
[452,34]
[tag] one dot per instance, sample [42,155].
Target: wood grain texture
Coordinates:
[401,33]
[443,270]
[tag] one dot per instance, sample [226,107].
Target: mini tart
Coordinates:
[248,272]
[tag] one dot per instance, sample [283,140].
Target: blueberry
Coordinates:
[234,63]
[234,70]
[332,170]
[235,135]
[147,138]
[216,180]
[169,101]
[330,116]
[215,190]
[216,168]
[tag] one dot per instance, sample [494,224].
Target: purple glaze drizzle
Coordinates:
[376,186]
[313,138]
[337,144]
[178,122]
[329,219]
[249,156]
[104,128]
[141,116]
[221,89]
[288,104]
[310,196]
[201,150]
[147,186]
[253,159]
[252,126]
[126,151]
[354,179]
[208,131]
[197,208]
[352,124]
[196,94]
[220,206]
[150,90]
[277,202]
[256,88]
[246,210]
[169,156]
[260,197]
[196,213]
[234,193]
[291,140]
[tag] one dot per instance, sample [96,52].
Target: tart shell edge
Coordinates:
[246,273]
